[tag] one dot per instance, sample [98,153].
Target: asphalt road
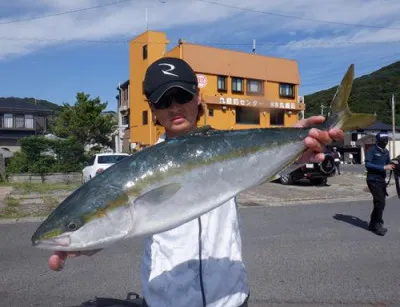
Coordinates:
[296,256]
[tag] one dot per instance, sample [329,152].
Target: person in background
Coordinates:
[351,158]
[336,157]
[377,162]
[199,263]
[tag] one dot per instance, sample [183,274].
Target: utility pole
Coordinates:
[322,109]
[147,20]
[393,127]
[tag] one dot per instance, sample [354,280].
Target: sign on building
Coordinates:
[201,80]
[257,103]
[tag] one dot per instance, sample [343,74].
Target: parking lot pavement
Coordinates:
[349,186]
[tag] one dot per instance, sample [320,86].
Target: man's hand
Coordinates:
[317,139]
[389,167]
[57,260]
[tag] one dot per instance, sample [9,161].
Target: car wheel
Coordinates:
[286,179]
[328,165]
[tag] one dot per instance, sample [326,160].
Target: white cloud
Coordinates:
[127,19]
[363,37]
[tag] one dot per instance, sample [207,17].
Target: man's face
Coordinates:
[177,111]
[382,143]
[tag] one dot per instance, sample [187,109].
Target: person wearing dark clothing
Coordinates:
[377,162]
[336,157]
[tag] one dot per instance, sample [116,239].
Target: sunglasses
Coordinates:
[179,96]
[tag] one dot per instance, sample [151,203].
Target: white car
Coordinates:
[99,162]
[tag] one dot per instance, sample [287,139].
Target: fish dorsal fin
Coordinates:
[158,195]
[201,130]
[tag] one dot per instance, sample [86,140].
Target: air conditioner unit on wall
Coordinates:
[300,99]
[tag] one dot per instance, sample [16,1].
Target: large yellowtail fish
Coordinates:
[173,182]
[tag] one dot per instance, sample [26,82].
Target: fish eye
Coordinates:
[73,225]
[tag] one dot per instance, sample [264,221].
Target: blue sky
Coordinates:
[86,50]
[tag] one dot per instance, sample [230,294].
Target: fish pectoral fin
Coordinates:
[158,195]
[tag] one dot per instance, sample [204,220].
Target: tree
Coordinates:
[41,155]
[370,93]
[84,121]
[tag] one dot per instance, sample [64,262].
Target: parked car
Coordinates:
[316,173]
[99,162]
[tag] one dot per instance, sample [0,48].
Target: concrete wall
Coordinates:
[47,178]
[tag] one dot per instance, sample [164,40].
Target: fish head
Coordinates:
[91,217]
[56,232]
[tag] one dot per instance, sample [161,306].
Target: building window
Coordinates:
[145,118]
[144,52]
[249,116]
[286,90]
[277,117]
[237,85]
[221,83]
[211,112]
[125,96]
[19,121]
[125,120]
[255,87]
[8,120]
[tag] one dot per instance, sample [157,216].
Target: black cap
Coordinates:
[167,73]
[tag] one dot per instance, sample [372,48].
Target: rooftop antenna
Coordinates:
[147,21]
[254,46]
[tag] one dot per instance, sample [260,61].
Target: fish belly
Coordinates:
[207,187]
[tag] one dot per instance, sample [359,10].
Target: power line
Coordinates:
[69,40]
[63,13]
[119,41]
[296,17]
[204,1]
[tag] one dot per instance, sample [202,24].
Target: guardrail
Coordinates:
[45,178]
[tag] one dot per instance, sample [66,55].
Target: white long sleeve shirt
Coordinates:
[171,275]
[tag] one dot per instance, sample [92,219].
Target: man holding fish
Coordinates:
[197,261]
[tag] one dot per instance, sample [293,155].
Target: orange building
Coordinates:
[238,90]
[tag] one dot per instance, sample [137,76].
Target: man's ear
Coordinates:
[198,97]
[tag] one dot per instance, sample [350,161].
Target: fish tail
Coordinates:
[340,115]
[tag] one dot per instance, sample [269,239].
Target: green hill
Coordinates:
[40,102]
[370,93]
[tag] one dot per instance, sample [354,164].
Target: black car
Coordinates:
[317,173]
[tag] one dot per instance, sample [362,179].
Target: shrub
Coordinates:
[41,155]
